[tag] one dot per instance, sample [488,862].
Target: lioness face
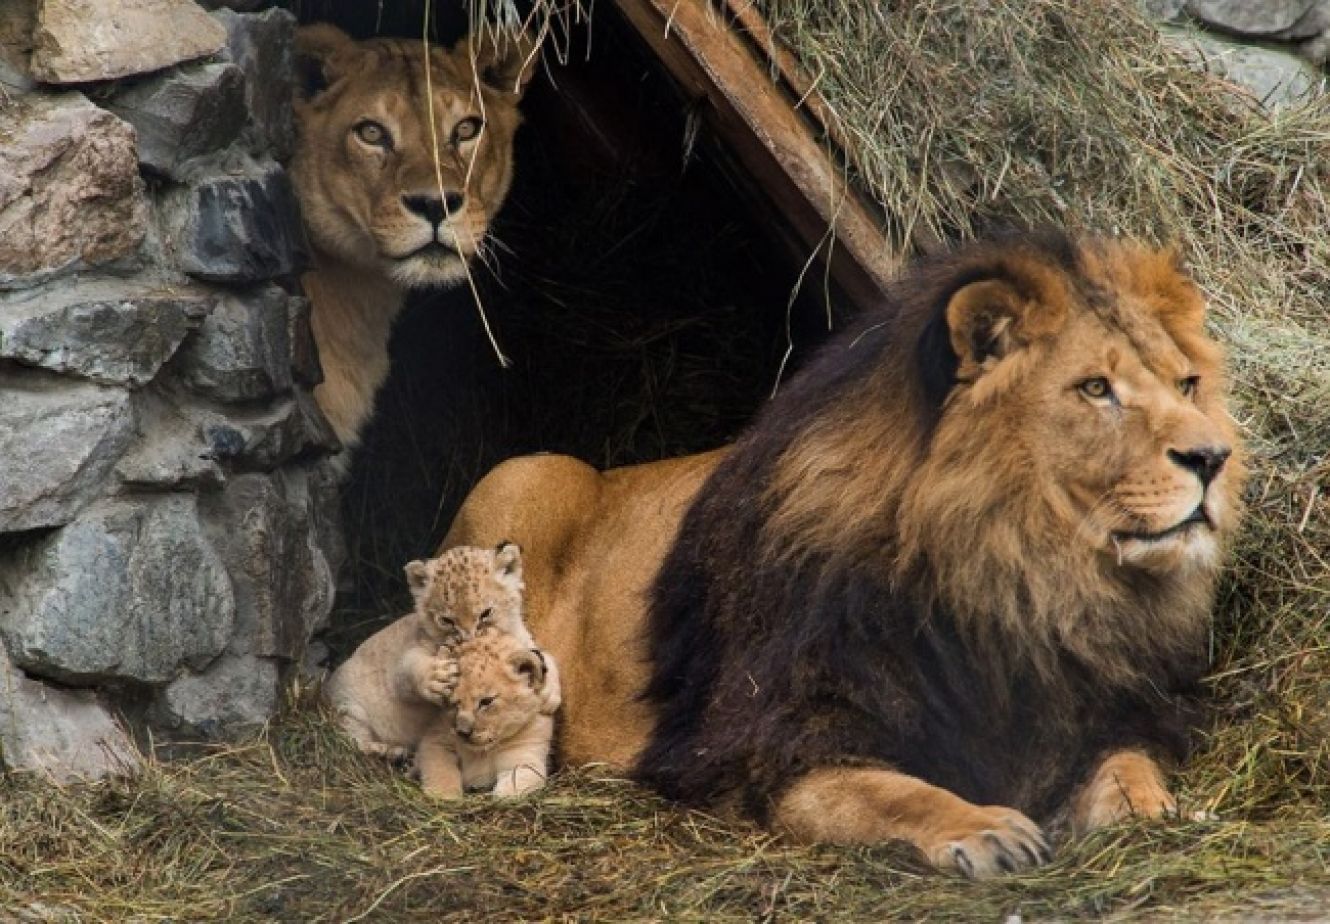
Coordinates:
[1116,400]
[401,167]
[498,690]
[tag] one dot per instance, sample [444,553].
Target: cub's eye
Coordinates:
[1189,385]
[374,134]
[484,703]
[467,129]
[1096,389]
[484,617]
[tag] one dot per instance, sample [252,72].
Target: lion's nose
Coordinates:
[434,209]
[464,727]
[1205,462]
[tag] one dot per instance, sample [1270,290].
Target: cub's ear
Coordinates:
[324,55]
[417,577]
[990,318]
[508,561]
[503,60]
[530,666]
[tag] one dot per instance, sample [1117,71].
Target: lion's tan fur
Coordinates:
[496,731]
[594,541]
[353,195]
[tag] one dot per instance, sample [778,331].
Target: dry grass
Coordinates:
[960,113]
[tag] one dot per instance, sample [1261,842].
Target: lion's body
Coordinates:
[956,576]
[385,216]
[501,708]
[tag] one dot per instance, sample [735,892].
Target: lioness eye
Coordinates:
[1096,388]
[467,129]
[1189,385]
[485,702]
[373,133]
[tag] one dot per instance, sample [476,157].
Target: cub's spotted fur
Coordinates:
[496,735]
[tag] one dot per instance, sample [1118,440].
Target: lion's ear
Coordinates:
[417,577]
[990,318]
[505,61]
[508,563]
[530,666]
[324,54]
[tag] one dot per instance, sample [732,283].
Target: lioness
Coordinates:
[950,587]
[392,201]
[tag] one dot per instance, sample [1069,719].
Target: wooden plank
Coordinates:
[755,117]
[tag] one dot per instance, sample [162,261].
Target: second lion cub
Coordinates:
[495,736]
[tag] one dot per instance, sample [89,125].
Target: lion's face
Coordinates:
[400,171]
[498,689]
[1111,400]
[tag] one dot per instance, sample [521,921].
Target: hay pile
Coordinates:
[958,114]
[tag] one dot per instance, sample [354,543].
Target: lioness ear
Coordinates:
[505,61]
[990,318]
[417,577]
[324,54]
[529,665]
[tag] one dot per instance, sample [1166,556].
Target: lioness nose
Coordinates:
[432,208]
[1203,461]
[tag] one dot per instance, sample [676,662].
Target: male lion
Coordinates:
[391,203]
[952,585]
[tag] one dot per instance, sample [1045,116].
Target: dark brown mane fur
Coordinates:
[851,588]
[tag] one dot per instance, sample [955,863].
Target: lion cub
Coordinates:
[393,686]
[496,735]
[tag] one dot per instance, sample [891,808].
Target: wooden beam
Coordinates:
[757,119]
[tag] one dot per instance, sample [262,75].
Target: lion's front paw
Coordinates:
[440,680]
[1126,785]
[987,841]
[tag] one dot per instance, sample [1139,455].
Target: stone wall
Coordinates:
[165,548]
[1275,49]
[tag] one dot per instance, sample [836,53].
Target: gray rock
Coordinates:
[1272,19]
[283,587]
[132,590]
[70,192]
[242,350]
[109,331]
[1165,10]
[238,229]
[1275,78]
[172,454]
[263,45]
[17,18]
[77,41]
[65,734]
[184,114]
[305,365]
[237,693]
[296,428]
[59,442]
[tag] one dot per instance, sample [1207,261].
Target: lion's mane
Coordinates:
[860,583]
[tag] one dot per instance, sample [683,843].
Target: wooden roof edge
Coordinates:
[727,55]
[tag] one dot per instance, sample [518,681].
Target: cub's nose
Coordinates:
[434,209]
[1205,462]
[465,727]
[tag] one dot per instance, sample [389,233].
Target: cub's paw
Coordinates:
[440,680]
[988,841]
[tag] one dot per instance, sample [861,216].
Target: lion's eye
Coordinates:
[484,703]
[485,616]
[1189,385]
[372,133]
[1096,389]
[467,129]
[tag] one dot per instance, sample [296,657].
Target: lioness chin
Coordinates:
[391,200]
